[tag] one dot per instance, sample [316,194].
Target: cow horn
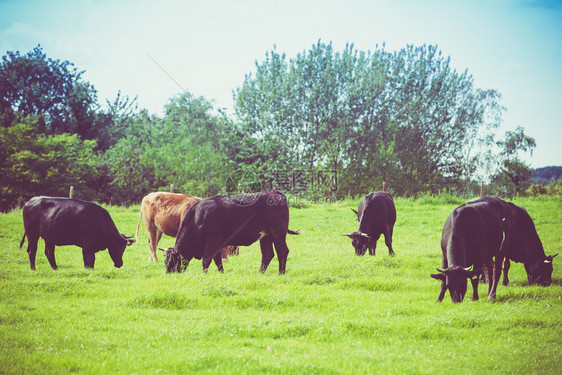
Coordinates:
[364,235]
[467,268]
[350,235]
[549,258]
[440,270]
[161,249]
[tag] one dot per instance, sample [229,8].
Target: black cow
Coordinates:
[227,220]
[475,234]
[524,246]
[63,221]
[376,216]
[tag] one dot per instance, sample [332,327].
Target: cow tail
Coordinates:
[292,232]
[138,225]
[22,240]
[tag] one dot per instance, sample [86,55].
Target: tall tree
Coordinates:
[405,117]
[512,175]
[35,85]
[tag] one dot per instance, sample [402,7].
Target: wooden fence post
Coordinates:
[171,188]
[481,188]
[71,192]
[384,186]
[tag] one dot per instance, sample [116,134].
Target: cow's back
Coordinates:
[472,232]
[167,210]
[240,220]
[525,244]
[376,211]
[65,221]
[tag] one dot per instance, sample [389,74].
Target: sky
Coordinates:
[208,47]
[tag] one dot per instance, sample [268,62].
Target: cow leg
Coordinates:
[506,265]
[206,264]
[153,238]
[266,245]
[444,265]
[50,253]
[89,258]
[211,251]
[475,281]
[282,252]
[442,291]
[218,261]
[373,245]
[388,240]
[493,283]
[32,250]
[483,278]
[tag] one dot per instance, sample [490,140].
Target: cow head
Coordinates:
[116,251]
[540,272]
[360,241]
[174,261]
[455,279]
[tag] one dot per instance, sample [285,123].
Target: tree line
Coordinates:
[405,117]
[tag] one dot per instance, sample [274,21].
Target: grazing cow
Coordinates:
[163,213]
[376,216]
[239,220]
[474,234]
[524,245]
[63,221]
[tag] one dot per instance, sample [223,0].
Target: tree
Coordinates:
[187,148]
[406,117]
[513,175]
[35,164]
[35,85]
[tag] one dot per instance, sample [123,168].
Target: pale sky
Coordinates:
[209,46]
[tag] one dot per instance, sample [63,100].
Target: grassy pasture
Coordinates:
[333,312]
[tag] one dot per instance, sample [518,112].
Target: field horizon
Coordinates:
[332,312]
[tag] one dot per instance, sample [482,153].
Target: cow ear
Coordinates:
[438,276]
[130,239]
[473,273]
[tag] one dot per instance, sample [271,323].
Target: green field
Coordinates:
[333,312]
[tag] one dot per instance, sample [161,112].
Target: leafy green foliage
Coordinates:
[36,164]
[186,149]
[406,118]
[35,85]
[513,175]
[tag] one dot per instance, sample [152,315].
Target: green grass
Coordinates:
[333,312]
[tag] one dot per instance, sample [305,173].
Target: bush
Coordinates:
[554,188]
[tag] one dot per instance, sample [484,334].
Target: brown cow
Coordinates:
[163,213]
